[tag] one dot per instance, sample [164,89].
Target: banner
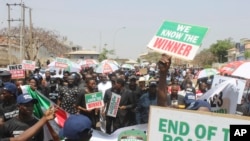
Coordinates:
[223,97]
[94,100]
[114,105]
[167,124]
[218,79]
[178,40]
[29,65]
[17,71]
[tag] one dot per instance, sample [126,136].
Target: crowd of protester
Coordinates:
[138,92]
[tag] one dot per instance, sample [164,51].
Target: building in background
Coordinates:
[241,51]
[82,54]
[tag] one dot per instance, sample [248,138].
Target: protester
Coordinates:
[174,99]
[163,65]
[30,132]
[107,97]
[245,106]
[136,93]
[67,96]
[92,114]
[145,101]
[103,85]
[126,104]
[142,85]
[5,76]
[24,120]
[8,108]
[77,128]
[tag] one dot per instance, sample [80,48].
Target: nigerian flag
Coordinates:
[43,104]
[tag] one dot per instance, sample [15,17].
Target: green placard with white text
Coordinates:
[94,100]
[178,39]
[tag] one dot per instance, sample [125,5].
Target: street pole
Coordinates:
[115,36]
[100,44]
[9,48]
[31,37]
[21,32]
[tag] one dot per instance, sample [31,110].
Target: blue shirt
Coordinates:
[142,109]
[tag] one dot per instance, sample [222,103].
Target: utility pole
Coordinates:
[31,36]
[9,48]
[9,34]
[22,28]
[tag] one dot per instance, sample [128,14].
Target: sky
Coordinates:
[128,26]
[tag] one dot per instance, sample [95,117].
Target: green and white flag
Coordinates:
[178,40]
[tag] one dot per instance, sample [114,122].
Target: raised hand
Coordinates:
[164,63]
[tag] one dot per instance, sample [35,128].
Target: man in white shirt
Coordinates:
[103,85]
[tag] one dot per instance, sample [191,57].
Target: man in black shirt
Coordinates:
[8,108]
[24,120]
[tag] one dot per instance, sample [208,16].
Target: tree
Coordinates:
[220,48]
[247,54]
[152,57]
[204,58]
[104,54]
[38,38]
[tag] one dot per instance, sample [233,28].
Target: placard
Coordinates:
[16,71]
[166,124]
[114,105]
[94,100]
[29,65]
[61,62]
[178,39]
[218,79]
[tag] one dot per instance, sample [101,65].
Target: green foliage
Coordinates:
[153,57]
[247,54]
[220,48]
[104,54]
[204,58]
[138,60]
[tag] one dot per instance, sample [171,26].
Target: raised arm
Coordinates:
[163,66]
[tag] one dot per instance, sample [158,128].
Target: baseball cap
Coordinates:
[25,98]
[135,135]
[152,83]
[189,98]
[74,125]
[199,103]
[10,87]
[141,79]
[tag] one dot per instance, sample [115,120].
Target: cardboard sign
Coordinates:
[16,71]
[143,71]
[29,65]
[114,105]
[185,125]
[178,40]
[223,98]
[94,100]
[218,79]
[61,62]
